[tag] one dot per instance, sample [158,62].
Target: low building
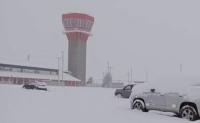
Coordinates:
[18,74]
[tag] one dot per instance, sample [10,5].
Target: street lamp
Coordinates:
[58,69]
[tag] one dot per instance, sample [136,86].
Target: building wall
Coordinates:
[19,81]
[13,68]
[14,74]
[15,80]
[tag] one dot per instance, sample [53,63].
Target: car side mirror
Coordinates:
[153,90]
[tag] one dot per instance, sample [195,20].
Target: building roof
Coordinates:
[28,67]
[66,77]
[78,16]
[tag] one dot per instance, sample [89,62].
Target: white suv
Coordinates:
[41,86]
[181,100]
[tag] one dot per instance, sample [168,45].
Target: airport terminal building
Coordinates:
[18,74]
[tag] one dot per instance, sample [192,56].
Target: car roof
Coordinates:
[40,83]
[130,85]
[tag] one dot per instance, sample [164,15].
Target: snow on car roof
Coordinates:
[40,83]
[175,84]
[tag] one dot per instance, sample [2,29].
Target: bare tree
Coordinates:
[107,80]
[90,80]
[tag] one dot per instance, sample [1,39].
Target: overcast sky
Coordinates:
[152,36]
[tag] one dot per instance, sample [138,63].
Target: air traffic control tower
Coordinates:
[77,29]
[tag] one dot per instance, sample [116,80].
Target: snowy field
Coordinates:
[72,105]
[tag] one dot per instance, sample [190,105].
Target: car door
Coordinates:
[127,91]
[173,100]
[156,100]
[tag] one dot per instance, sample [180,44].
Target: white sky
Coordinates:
[152,36]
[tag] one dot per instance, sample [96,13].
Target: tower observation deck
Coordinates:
[77,29]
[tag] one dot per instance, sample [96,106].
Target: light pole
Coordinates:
[58,70]
[146,76]
[181,68]
[128,75]
[131,74]
[62,64]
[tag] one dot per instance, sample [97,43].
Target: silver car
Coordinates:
[185,105]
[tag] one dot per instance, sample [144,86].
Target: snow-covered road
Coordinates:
[72,105]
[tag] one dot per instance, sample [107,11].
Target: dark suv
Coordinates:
[29,86]
[124,92]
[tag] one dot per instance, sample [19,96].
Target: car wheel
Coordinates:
[188,112]
[139,105]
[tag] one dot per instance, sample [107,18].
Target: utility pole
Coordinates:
[109,67]
[181,68]
[146,76]
[131,75]
[62,64]
[128,77]
[28,58]
[58,70]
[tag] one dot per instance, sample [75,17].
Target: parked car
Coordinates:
[29,86]
[35,85]
[183,101]
[41,86]
[125,92]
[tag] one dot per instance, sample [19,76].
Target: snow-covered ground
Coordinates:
[72,105]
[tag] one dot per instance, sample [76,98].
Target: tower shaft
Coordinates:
[77,56]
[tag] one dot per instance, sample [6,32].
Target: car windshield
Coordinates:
[127,87]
